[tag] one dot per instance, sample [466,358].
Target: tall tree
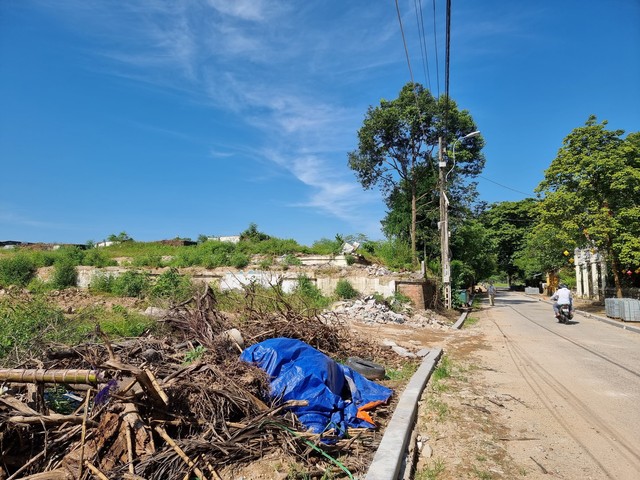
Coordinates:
[398,148]
[592,193]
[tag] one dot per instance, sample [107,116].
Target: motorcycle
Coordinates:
[564,314]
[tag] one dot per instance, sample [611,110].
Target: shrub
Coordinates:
[17,270]
[102,283]
[290,260]
[24,325]
[239,260]
[131,284]
[150,260]
[97,258]
[325,246]
[345,290]
[306,289]
[64,275]
[172,286]
[395,254]
[266,263]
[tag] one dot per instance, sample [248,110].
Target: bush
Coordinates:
[102,284]
[325,246]
[172,286]
[64,275]
[131,284]
[394,253]
[150,260]
[24,325]
[96,258]
[17,270]
[345,290]
[290,260]
[239,260]
[310,292]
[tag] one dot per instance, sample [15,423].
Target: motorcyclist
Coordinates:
[562,297]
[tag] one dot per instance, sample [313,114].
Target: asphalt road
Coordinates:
[577,385]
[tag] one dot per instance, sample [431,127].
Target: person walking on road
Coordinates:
[492,294]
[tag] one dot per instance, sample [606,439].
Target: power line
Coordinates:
[504,186]
[417,5]
[435,41]
[447,68]
[404,41]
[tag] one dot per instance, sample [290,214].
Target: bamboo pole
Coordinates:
[39,375]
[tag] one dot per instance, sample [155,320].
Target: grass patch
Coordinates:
[470,321]
[403,373]
[432,471]
[444,369]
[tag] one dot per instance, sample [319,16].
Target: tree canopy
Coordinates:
[591,193]
[398,151]
[508,224]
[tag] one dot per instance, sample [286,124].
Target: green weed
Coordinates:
[432,471]
[17,270]
[405,372]
[470,321]
[345,290]
[26,325]
[194,355]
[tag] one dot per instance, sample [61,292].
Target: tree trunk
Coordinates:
[414,216]
[615,266]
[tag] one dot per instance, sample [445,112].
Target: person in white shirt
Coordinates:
[562,297]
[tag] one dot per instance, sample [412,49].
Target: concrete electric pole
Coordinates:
[444,217]
[444,229]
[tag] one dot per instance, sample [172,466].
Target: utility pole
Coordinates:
[444,228]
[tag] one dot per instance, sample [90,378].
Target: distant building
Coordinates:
[229,238]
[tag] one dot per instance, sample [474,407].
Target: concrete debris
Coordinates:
[423,352]
[370,311]
[348,248]
[403,352]
[155,312]
[378,271]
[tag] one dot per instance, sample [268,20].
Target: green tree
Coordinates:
[398,148]
[121,237]
[474,250]
[508,224]
[252,234]
[592,193]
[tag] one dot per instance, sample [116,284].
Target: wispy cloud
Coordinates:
[249,58]
[9,217]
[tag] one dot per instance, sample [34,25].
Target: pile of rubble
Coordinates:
[370,311]
[180,406]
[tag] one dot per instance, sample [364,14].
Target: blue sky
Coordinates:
[181,118]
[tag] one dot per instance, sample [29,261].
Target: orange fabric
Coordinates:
[364,415]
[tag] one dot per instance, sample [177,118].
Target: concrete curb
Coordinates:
[460,322]
[390,455]
[610,321]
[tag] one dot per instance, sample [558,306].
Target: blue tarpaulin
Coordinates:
[338,396]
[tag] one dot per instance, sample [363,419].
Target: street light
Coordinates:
[444,220]
[461,139]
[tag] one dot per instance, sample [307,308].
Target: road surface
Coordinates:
[577,385]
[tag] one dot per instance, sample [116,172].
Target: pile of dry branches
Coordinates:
[141,411]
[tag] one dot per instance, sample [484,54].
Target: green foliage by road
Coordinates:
[508,224]
[592,194]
